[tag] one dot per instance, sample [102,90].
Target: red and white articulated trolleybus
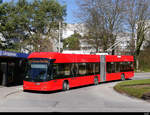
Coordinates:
[49,71]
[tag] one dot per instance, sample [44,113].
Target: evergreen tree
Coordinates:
[72,42]
[33,24]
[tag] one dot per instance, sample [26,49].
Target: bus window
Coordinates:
[37,72]
[122,67]
[61,70]
[108,67]
[117,66]
[58,70]
[113,67]
[90,67]
[67,70]
[131,66]
[82,69]
[74,70]
[97,69]
[55,69]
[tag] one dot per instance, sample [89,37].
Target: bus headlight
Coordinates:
[27,77]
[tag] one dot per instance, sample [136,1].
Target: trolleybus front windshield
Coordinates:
[37,71]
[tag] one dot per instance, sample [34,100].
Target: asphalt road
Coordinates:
[100,98]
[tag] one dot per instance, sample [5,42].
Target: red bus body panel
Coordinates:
[116,58]
[66,58]
[74,81]
[117,76]
[57,84]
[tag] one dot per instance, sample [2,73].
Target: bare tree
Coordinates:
[131,22]
[138,15]
[103,20]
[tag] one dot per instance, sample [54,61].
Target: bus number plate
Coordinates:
[37,83]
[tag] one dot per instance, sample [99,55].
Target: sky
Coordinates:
[71,9]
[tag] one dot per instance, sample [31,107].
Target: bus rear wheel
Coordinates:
[123,77]
[65,86]
[95,81]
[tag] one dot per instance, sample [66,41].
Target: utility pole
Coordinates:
[60,44]
[59,36]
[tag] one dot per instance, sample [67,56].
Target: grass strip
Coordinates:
[134,88]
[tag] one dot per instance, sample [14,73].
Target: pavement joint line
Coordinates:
[10,93]
[13,92]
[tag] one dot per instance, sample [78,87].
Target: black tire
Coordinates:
[65,86]
[25,91]
[123,77]
[95,81]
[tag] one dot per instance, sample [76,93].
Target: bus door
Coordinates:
[102,68]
